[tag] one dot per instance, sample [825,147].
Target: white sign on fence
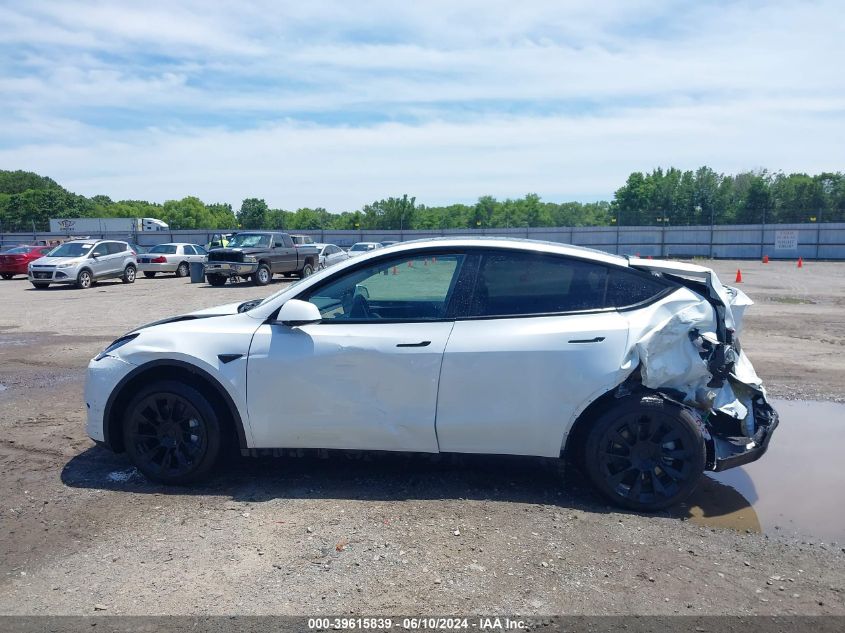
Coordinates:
[786,240]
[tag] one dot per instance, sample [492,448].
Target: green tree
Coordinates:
[254,214]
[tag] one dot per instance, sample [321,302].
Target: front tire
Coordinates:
[40,285]
[262,276]
[645,454]
[183,270]
[171,433]
[129,275]
[216,280]
[84,279]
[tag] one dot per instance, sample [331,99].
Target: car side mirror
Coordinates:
[96,254]
[295,312]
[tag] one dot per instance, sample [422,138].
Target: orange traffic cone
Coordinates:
[765,259]
[738,276]
[800,263]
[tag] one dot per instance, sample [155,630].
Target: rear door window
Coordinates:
[519,283]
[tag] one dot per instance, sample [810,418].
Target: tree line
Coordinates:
[671,197]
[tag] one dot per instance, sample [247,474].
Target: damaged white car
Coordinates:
[459,345]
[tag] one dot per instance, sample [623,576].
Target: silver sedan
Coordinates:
[171,258]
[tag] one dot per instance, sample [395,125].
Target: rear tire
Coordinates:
[306,271]
[171,433]
[645,454]
[216,280]
[84,279]
[40,285]
[182,270]
[262,276]
[129,274]
[149,275]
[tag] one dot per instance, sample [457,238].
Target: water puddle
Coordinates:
[797,488]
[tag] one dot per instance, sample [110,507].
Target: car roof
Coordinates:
[174,244]
[510,243]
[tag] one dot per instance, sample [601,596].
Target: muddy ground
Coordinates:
[81,533]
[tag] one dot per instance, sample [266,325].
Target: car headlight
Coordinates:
[250,260]
[123,340]
[66,265]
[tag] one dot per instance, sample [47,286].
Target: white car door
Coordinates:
[540,345]
[366,377]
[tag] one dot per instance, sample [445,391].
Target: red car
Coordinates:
[15,260]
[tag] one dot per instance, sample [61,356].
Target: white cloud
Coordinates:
[288,101]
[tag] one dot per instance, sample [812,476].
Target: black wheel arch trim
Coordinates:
[175,364]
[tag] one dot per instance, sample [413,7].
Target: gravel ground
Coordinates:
[81,532]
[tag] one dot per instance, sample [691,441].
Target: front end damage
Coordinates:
[693,356]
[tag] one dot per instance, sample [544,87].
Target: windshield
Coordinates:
[71,249]
[168,249]
[361,246]
[249,240]
[19,249]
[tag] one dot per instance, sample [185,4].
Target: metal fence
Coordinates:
[745,241]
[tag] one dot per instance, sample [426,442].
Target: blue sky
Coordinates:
[336,104]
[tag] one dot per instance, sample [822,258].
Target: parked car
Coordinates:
[173,257]
[15,261]
[360,248]
[258,255]
[83,263]
[459,345]
[300,240]
[330,254]
[137,247]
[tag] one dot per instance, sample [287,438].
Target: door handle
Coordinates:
[420,344]
[597,339]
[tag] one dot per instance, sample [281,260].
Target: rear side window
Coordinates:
[626,288]
[164,249]
[515,284]
[115,247]
[189,250]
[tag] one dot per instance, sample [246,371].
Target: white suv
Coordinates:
[456,345]
[84,262]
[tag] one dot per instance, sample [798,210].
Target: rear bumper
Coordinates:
[13,270]
[733,452]
[157,268]
[229,269]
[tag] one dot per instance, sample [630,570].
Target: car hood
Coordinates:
[55,261]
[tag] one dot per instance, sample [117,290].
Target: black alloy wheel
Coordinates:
[646,455]
[171,433]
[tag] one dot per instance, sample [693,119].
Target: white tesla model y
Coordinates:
[458,345]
